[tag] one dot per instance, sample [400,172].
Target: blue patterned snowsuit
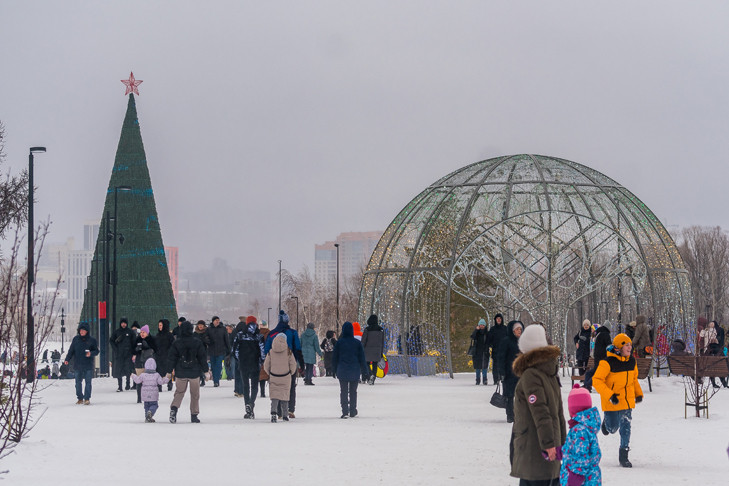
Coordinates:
[581,451]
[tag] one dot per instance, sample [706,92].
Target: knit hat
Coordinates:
[586,321]
[532,338]
[250,319]
[214,318]
[578,400]
[283,317]
[372,320]
[621,340]
[481,322]
[145,328]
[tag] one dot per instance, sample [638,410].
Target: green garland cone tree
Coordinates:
[144,291]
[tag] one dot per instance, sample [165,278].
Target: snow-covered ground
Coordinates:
[425,430]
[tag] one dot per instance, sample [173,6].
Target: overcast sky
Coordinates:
[272,126]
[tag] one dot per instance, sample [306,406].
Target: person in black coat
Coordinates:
[481,353]
[82,350]
[218,348]
[582,346]
[508,350]
[327,345]
[248,351]
[176,330]
[496,334]
[163,340]
[122,343]
[349,364]
[188,359]
[602,341]
[144,348]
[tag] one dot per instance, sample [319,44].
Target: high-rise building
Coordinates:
[355,250]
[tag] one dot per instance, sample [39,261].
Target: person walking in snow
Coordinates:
[327,345]
[373,342]
[144,349]
[248,351]
[495,335]
[149,383]
[263,331]
[616,380]
[310,349]
[582,346]
[280,366]
[201,333]
[82,350]
[481,355]
[602,341]
[349,364]
[163,340]
[581,451]
[218,348]
[294,344]
[508,350]
[122,344]
[189,361]
[539,426]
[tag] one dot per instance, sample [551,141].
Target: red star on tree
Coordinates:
[131,84]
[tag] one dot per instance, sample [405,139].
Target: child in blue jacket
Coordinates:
[581,452]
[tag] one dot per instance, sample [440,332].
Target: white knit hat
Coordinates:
[532,338]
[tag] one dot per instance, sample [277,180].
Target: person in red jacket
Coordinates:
[616,380]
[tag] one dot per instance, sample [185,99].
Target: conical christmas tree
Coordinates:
[144,291]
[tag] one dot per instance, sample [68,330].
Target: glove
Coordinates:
[614,399]
[575,479]
[639,399]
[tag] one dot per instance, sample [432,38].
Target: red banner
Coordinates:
[102,310]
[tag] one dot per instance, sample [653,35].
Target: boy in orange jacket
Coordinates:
[616,380]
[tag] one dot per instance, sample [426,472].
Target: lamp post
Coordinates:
[336,245]
[297,312]
[279,285]
[30,341]
[115,279]
[63,328]
[269,318]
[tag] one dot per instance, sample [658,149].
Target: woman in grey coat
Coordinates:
[373,341]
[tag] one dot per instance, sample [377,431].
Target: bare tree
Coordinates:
[705,253]
[18,397]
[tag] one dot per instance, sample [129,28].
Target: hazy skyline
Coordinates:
[270,127]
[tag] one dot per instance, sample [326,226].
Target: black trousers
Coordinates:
[250,384]
[348,397]
[373,369]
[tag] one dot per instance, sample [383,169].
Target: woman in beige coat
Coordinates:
[280,365]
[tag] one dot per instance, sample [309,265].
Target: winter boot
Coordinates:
[478,380]
[173,415]
[253,415]
[194,419]
[148,416]
[249,412]
[273,418]
[169,385]
[485,380]
[624,457]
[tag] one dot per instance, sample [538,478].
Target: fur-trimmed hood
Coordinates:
[544,357]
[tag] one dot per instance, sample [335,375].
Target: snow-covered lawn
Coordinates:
[425,430]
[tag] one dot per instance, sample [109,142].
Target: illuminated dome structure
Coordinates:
[531,235]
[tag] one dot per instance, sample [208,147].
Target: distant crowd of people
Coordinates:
[250,354]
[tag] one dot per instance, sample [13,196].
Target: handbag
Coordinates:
[471,349]
[497,399]
[263,376]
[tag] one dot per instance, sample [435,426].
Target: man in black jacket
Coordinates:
[82,350]
[218,348]
[187,357]
[493,340]
[122,344]
[248,350]
[602,341]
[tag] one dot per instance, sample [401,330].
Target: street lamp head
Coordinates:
[37,150]
[336,245]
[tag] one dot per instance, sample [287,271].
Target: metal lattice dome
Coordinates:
[526,233]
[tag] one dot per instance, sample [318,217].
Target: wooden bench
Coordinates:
[576,370]
[644,370]
[697,368]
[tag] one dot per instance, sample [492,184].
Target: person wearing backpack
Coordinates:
[187,357]
[294,344]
